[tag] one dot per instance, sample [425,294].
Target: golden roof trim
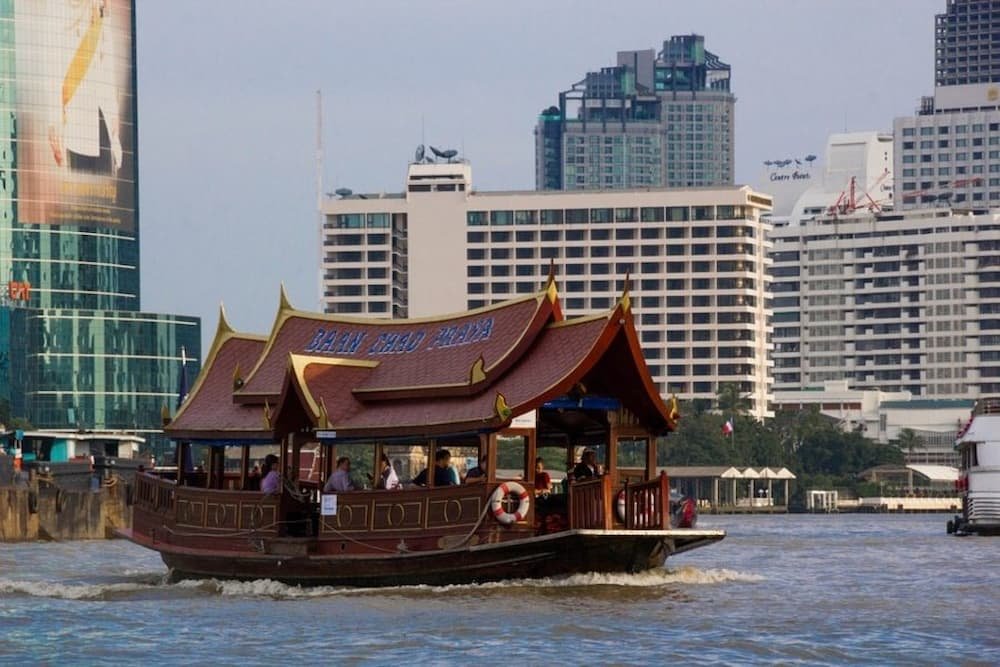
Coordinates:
[223,333]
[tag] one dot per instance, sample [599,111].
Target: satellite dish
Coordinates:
[343,192]
[419,155]
[446,154]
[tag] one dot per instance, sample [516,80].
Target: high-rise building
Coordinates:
[895,301]
[653,120]
[966,48]
[697,260]
[948,153]
[77,352]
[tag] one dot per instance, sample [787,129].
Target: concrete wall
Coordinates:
[42,512]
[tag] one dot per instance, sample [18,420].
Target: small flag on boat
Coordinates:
[182,384]
[727,428]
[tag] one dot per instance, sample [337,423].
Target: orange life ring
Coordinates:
[514,490]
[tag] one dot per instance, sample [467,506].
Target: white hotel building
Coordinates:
[898,301]
[698,261]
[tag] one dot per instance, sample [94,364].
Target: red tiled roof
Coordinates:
[209,406]
[412,378]
[417,357]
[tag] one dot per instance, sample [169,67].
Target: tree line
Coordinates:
[813,446]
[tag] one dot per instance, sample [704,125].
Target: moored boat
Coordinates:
[979,475]
[480,396]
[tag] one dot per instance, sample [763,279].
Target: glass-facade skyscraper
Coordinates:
[76,351]
[653,120]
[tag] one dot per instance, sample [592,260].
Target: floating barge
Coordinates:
[499,384]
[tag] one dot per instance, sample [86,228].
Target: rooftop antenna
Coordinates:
[319,193]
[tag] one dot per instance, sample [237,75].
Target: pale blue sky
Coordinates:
[227,108]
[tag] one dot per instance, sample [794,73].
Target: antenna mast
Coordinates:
[319,191]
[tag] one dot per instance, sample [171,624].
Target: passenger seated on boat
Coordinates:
[543,480]
[477,474]
[253,479]
[340,480]
[387,479]
[271,483]
[587,467]
[442,471]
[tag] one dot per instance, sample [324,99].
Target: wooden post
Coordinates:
[529,455]
[606,501]
[431,463]
[650,456]
[244,466]
[664,501]
[180,462]
[491,457]
[611,453]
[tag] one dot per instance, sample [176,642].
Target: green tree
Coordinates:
[908,441]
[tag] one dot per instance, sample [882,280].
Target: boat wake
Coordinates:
[132,584]
[142,584]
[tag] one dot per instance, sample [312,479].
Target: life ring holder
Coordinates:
[515,490]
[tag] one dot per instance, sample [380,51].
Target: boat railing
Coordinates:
[155,494]
[647,504]
[590,503]
[987,406]
[416,509]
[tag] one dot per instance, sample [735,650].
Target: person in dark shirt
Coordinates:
[587,467]
[477,474]
[543,480]
[442,471]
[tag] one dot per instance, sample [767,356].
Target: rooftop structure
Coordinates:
[654,119]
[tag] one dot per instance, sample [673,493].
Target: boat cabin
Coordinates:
[505,385]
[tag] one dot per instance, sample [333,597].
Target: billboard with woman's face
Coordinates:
[75,113]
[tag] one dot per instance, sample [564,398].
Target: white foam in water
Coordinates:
[46,589]
[686,576]
[146,581]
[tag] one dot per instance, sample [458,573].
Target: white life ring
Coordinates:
[496,503]
[642,515]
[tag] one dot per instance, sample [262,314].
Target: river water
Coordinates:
[805,589]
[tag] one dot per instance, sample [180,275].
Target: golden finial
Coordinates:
[324,416]
[267,416]
[478,371]
[237,377]
[626,300]
[550,283]
[283,302]
[501,407]
[165,414]
[675,412]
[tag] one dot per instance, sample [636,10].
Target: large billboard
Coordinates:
[75,113]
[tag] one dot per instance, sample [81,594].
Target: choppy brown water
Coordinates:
[858,589]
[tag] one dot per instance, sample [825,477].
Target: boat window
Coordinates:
[555,464]
[407,460]
[511,452]
[362,455]
[631,453]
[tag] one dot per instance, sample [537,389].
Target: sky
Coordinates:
[228,119]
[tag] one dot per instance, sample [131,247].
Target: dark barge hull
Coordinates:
[564,553]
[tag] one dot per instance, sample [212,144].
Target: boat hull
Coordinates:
[564,553]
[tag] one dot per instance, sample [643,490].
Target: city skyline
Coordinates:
[228,128]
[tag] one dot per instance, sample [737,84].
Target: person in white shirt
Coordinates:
[340,480]
[388,479]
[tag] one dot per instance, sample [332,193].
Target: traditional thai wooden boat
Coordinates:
[508,383]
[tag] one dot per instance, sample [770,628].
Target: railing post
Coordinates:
[664,501]
[606,502]
[628,508]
